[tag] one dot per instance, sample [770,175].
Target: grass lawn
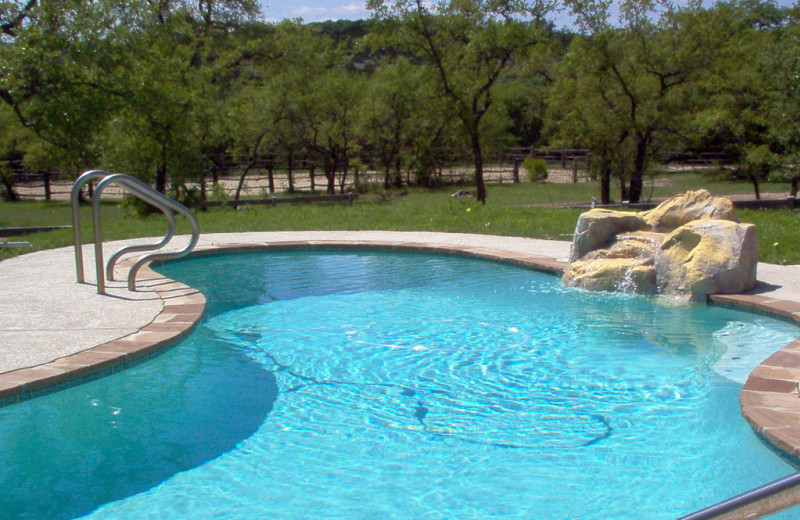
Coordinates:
[527,210]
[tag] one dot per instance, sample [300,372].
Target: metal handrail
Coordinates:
[144,192]
[112,262]
[142,189]
[76,216]
[762,501]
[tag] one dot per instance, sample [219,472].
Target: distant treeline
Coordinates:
[174,91]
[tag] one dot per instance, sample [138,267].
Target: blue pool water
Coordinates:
[365,384]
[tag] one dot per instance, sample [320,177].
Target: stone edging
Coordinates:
[770,400]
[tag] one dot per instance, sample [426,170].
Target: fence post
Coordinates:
[517,162]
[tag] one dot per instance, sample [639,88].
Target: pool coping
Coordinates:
[769,399]
[182,309]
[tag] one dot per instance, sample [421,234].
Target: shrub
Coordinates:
[136,207]
[218,192]
[536,169]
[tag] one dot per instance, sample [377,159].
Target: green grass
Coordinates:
[778,234]
[527,210]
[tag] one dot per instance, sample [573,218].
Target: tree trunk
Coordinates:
[756,190]
[11,195]
[270,175]
[161,178]
[330,176]
[477,153]
[387,176]
[241,179]
[623,190]
[793,190]
[398,178]
[161,171]
[605,184]
[250,164]
[636,184]
[343,180]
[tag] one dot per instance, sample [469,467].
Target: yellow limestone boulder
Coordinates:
[688,247]
[707,257]
[627,266]
[692,205]
[598,227]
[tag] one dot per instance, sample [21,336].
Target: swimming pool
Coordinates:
[357,384]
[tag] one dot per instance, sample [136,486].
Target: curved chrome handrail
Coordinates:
[112,262]
[76,216]
[757,503]
[180,208]
[147,194]
[144,192]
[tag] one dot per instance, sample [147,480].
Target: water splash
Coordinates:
[627,284]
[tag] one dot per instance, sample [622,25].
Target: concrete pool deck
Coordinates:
[56,332]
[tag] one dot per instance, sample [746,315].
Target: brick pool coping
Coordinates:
[770,400]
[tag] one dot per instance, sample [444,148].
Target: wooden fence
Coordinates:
[275,173]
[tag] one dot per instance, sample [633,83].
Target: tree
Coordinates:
[741,91]
[53,75]
[641,67]
[155,132]
[397,106]
[330,118]
[468,45]
[106,79]
[525,89]
[12,139]
[303,96]
[174,88]
[257,111]
[583,111]
[781,65]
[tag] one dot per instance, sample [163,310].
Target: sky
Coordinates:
[320,10]
[313,10]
